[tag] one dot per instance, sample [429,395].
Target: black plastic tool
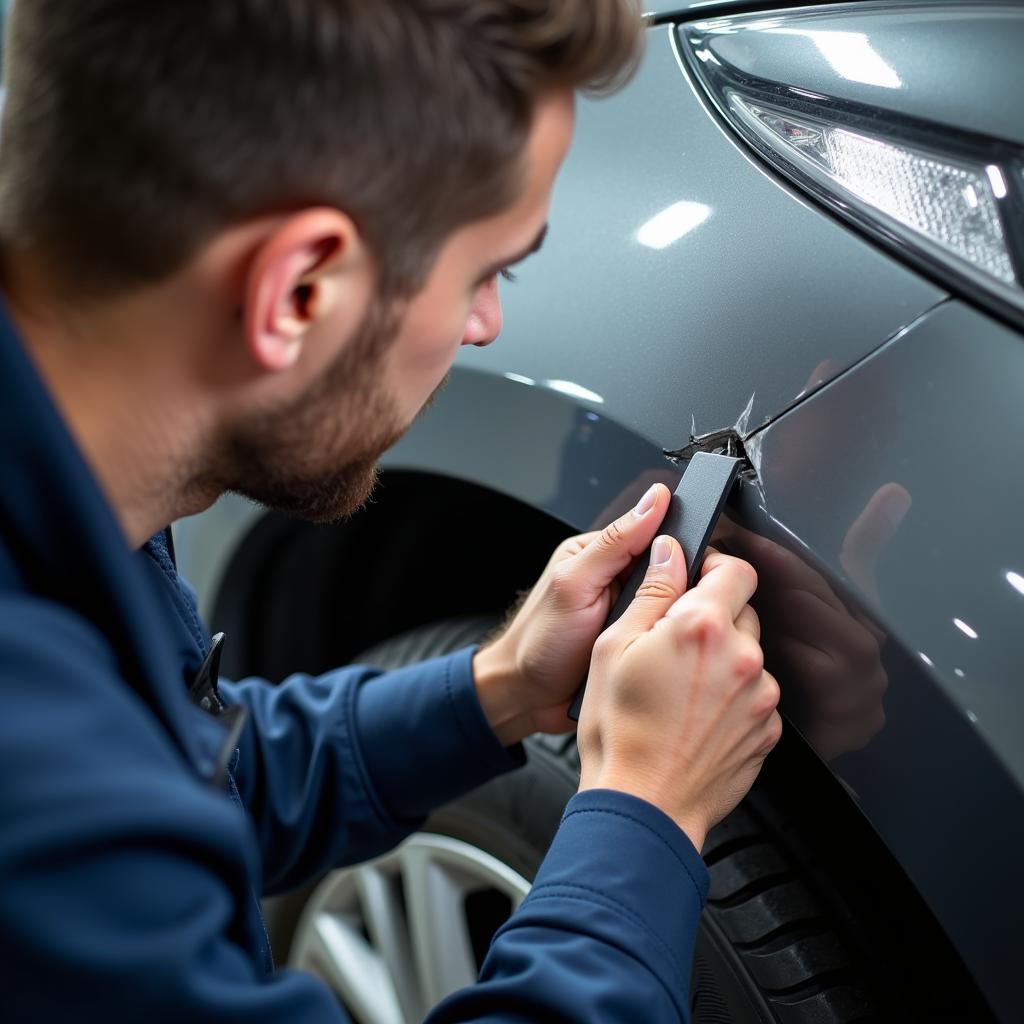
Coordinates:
[691,518]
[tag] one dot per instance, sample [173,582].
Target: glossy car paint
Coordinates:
[942,779]
[846,371]
[631,306]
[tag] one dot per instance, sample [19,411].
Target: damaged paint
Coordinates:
[718,442]
[731,441]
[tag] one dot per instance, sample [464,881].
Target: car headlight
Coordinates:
[945,198]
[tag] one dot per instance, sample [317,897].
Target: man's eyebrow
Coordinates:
[534,246]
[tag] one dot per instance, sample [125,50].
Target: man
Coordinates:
[241,244]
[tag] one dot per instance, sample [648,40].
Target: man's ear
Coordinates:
[313,267]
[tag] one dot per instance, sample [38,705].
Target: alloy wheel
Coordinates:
[395,936]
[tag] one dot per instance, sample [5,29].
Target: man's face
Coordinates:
[316,455]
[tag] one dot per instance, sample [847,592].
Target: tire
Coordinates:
[778,942]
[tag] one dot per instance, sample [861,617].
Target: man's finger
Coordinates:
[663,585]
[728,581]
[619,543]
[571,547]
[748,622]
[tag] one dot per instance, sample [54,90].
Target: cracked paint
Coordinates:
[731,441]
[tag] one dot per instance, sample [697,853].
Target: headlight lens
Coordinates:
[950,204]
[945,200]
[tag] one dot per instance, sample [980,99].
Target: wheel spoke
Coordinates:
[441,943]
[380,900]
[343,958]
[392,938]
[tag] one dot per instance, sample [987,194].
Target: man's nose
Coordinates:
[485,319]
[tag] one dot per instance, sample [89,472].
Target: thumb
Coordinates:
[663,584]
[618,544]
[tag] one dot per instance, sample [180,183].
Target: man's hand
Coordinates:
[528,676]
[679,710]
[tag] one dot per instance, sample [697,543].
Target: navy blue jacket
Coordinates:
[131,862]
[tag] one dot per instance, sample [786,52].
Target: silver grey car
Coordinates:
[797,236]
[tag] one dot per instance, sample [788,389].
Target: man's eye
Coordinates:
[508,275]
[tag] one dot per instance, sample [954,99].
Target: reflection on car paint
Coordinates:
[889,615]
[828,651]
[672,224]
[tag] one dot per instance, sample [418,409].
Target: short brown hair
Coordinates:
[134,130]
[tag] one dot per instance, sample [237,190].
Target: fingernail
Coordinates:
[661,552]
[646,503]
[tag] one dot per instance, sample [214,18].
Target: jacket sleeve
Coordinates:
[336,769]
[608,930]
[125,878]
[124,875]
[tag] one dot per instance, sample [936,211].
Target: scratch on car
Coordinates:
[727,441]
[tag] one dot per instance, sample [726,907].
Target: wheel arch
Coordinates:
[467,511]
[298,597]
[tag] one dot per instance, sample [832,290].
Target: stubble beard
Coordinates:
[316,459]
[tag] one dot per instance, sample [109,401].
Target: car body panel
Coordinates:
[653,337]
[931,413]
[943,781]
[534,445]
